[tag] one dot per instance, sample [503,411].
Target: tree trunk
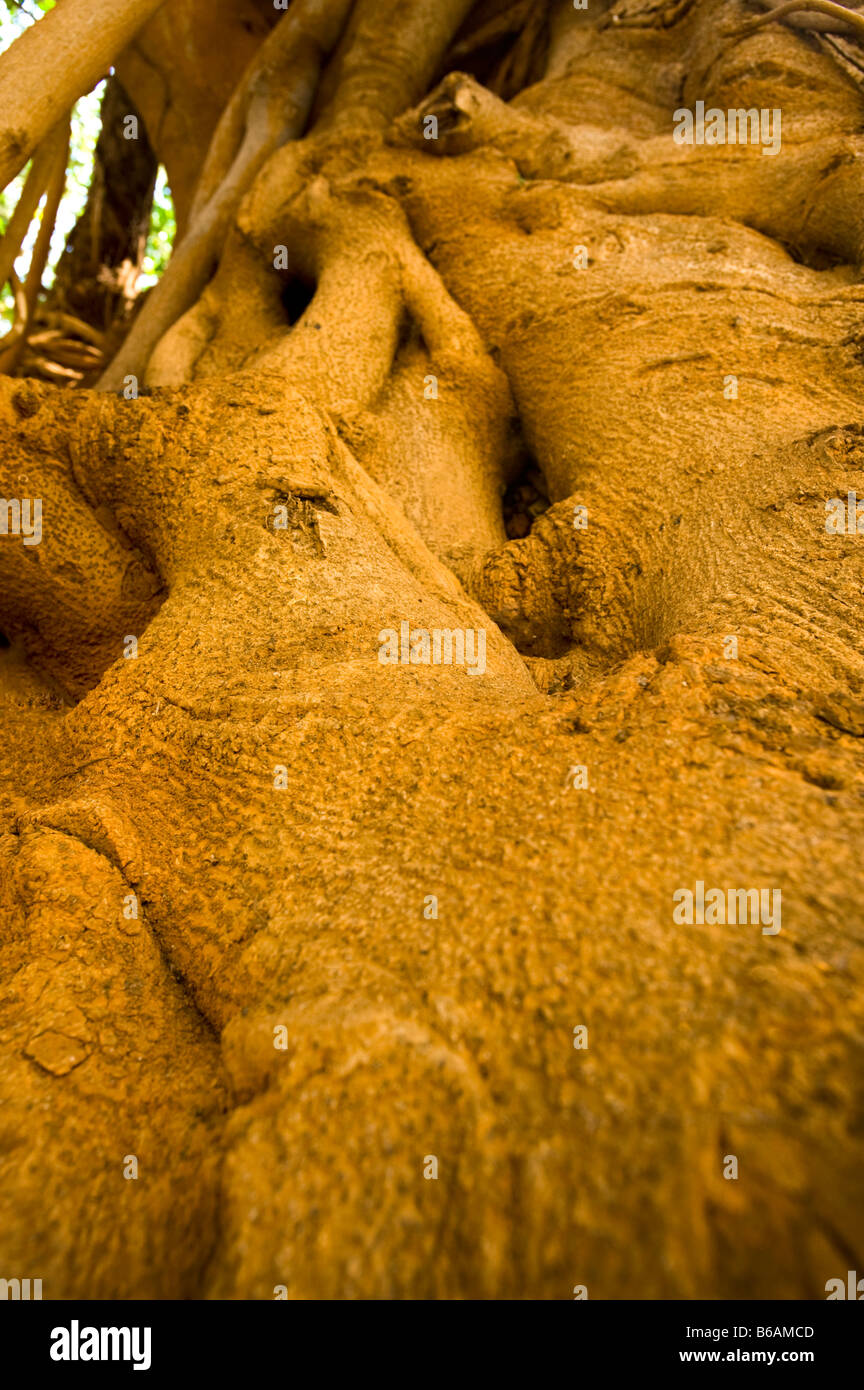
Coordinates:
[376,968]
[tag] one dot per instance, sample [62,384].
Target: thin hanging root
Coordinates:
[278,84]
[854,20]
[371,79]
[74,326]
[501,27]
[35,185]
[513,71]
[11,346]
[52,370]
[19,326]
[68,352]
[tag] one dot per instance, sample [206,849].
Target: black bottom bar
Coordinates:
[410,1341]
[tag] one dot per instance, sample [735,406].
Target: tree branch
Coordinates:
[852,18]
[388,56]
[37,181]
[12,344]
[55,62]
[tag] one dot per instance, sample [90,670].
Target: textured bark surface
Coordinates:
[282,806]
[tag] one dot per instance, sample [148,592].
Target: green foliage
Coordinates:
[25,13]
[162,230]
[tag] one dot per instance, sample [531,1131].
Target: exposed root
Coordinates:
[11,346]
[270,107]
[851,20]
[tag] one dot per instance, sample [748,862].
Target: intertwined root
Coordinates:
[401,896]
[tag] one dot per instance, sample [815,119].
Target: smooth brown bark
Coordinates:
[54,63]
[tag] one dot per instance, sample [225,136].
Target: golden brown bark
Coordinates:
[283,807]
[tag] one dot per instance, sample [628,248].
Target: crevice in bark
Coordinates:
[815,257]
[74,597]
[527,496]
[296,295]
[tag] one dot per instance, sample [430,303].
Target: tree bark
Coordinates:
[376,904]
